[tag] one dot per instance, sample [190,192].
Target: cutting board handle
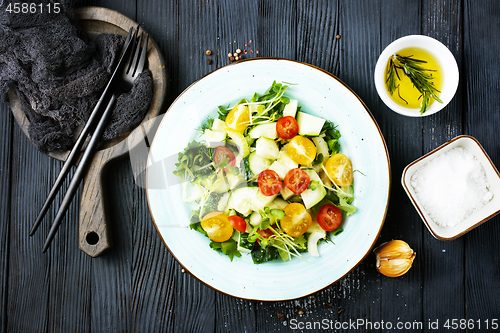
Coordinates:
[95,235]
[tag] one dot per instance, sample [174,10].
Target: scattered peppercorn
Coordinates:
[329,305]
[209,61]
[231,58]
[301,312]
[338,36]
[208,52]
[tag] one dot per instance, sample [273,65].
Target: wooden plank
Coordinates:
[368,29]
[31,270]
[252,27]
[28,286]
[111,292]
[318,24]
[110,275]
[184,31]
[444,273]
[481,119]
[6,124]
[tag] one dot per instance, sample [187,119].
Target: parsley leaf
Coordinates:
[229,248]
[331,136]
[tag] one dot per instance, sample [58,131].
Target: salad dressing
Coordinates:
[406,94]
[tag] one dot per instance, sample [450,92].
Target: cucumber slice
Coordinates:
[321,147]
[312,197]
[309,124]
[286,160]
[234,180]
[291,108]
[218,125]
[223,186]
[280,203]
[255,219]
[241,199]
[280,169]
[222,205]
[267,148]
[286,193]
[214,139]
[240,142]
[243,245]
[315,227]
[264,130]
[259,201]
[257,163]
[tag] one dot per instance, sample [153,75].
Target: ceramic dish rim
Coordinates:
[430,225]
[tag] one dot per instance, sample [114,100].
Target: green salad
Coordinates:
[267,178]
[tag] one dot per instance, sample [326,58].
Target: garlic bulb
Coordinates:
[394,258]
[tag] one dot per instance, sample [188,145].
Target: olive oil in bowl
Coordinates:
[404,92]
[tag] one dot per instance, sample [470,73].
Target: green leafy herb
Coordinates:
[229,248]
[245,169]
[197,226]
[223,112]
[417,74]
[244,243]
[278,213]
[314,184]
[206,125]
[264,254]
[319,159]
[331,136]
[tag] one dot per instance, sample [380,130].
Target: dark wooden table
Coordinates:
[138,287]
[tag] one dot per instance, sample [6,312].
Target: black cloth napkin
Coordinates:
[59,75]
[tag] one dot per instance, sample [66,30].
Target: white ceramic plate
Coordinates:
[319,93]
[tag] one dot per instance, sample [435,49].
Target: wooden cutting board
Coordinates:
[95,233]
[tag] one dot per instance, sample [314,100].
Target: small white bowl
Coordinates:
[480,216]
[446,60]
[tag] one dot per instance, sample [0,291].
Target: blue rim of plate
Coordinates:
[272,281]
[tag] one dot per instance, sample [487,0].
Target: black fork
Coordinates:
[130,67]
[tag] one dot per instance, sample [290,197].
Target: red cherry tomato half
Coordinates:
[269,182]
[297,180]
[266,233]
[238,223]
[329,217]
[222,152]
[287,127]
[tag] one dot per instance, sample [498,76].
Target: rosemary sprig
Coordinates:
[417,74]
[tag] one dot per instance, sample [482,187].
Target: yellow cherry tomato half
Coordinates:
[339,169]
[238,118]
[297,220]
[217,226]
[301,150]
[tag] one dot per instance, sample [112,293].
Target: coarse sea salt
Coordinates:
[451,187]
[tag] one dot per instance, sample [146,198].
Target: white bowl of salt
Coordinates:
[454,188]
